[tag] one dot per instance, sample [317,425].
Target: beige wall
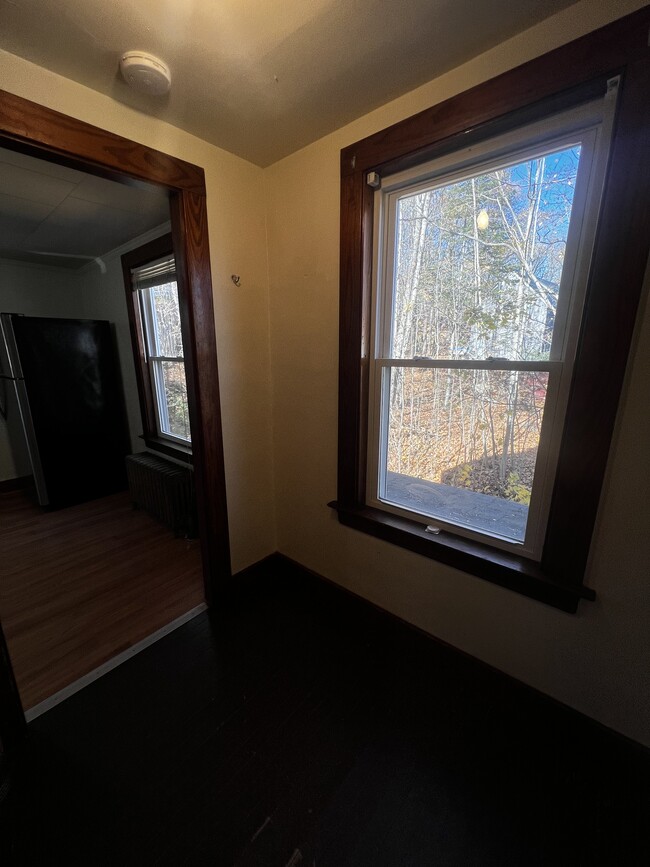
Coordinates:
[238,245]
[595,661]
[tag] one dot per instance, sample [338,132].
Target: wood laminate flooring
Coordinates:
[82,584]
[298,727]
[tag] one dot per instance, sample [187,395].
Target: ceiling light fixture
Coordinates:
[145,73]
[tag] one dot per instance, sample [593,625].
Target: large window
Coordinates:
[152,294]
[481,261]
[493,250]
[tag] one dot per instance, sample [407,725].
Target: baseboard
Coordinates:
[103,669]
[18,484]
[260,566]
[281,561]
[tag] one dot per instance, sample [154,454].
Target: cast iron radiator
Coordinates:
[165,490]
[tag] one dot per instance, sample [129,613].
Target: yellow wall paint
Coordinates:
[238,245]
[596,661]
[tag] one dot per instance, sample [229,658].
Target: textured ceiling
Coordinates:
[262,78]
[53,215]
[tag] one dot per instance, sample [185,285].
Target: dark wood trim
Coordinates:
[166,447]
[499,567]
[31,128]
[600,53]
[18,484]
[192,252]
[613,293]
[550,104]
[354,318]
[557,80]
[48,134]
[135,259]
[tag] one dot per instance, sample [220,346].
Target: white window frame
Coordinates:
[590,126]
[153,358]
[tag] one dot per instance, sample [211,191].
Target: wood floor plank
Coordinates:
[80,585]
[296,726]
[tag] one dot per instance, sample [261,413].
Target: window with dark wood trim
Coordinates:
[160,432]
[559,82]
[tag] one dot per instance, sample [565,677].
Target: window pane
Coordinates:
[478,262]
[462,445]
[175,394]
[167,320]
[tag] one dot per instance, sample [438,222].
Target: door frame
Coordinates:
[33,129]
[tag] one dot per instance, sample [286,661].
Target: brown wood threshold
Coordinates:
[499,567]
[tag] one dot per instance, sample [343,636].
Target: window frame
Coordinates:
[562,79]
[591,126]
[155,362]
[154,438]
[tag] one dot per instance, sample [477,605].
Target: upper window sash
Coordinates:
[588,126]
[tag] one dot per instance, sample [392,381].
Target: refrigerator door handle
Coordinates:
[15,376]
[5,359]
[9,345]
[32,444]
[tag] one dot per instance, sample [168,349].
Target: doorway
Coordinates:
[29,129]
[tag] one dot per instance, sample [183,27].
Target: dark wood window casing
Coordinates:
[559,80]
[142,255]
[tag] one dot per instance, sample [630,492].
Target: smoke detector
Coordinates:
[145,73]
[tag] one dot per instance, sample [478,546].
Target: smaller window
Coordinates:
[154,311]
[157,292]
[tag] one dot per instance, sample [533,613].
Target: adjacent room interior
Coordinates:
[98,531]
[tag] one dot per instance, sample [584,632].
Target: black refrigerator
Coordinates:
[64,405]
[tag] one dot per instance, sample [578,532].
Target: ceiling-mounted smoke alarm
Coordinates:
[145,73]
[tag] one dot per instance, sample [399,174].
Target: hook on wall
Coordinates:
[236,279]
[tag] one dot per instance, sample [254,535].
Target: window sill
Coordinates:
[507,570]
[169,448]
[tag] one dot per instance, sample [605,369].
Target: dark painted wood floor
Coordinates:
[298,726]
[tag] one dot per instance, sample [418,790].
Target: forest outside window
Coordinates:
[481,262]
[493,252]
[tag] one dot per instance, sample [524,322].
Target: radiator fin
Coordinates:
[165,490]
